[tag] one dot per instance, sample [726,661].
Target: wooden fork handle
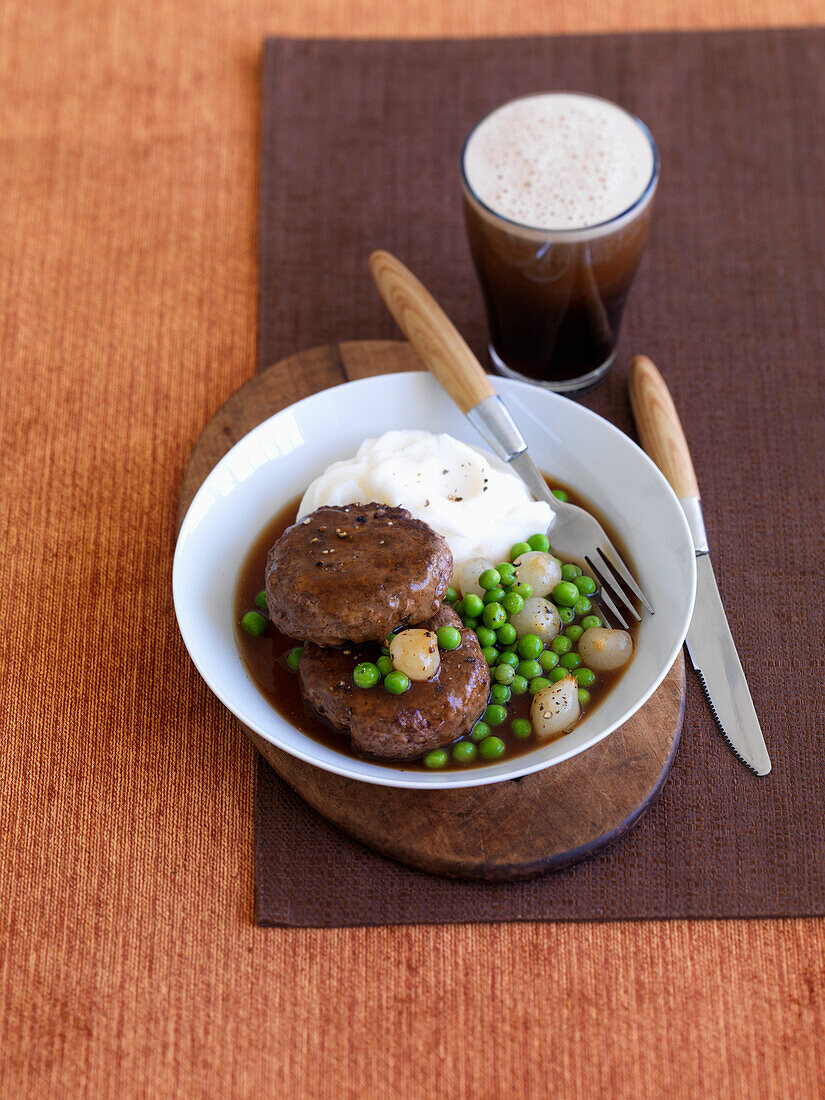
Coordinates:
[430,331]
[660,429]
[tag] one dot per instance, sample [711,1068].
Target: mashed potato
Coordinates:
[471,498]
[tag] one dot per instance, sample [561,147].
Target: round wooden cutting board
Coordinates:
[507,830]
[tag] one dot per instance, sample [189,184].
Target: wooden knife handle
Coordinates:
[438,342]
[660,429]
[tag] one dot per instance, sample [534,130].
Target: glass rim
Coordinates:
[637,203]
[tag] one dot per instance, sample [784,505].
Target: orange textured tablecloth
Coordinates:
[129,963]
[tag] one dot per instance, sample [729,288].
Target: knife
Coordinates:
[709,640]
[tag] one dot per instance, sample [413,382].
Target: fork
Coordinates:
[575,533]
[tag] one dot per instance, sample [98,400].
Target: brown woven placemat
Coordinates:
[360,148]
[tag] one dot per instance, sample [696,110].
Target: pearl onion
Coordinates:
[604,650]
[415,653]
[466,577]
[555,708]
[538,616]
[538,569]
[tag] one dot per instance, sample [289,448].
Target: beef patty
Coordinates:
[355,573]
[399,727]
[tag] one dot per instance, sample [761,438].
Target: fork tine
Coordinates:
[605,598]
[610,580]
[601,611]
[604,595]
[619,568]
[613,591]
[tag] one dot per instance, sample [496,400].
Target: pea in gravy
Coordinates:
[265,656]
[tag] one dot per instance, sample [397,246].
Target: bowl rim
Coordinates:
[434,781]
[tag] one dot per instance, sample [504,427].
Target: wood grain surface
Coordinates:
[502,832]
[130,965]
[659,427]
[440,345]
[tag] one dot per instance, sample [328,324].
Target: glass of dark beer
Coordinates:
[558,192]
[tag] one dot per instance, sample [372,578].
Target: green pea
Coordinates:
[586,585]
[397,682]
[530,646]
[491,748]
[448,637]
[582,606]
[506,634]
[519,685]
[494,714]
[495,595]
[590,620]
[566,614]
[507,573]
[490,578]
[479,731]
[260,601]
[539,542]
[556,674]
[510,659]
[471,605]
[523,590]
[512,603]
[366,675]
[573,632]
[508,648]
[254,623]
[464,752]
[565,594]
[450,596]
[585,677]
[293,658]
[469,622]
[584,696]
[528,669]
[384,665]
[494,615]
[504,674]
[500,695]
[486,636]
[490,654]
[518,549]
[569,571]
[538,683]
[548,660]
[437,758]
[570,661]
[561,645]
[521,728]
[560,494]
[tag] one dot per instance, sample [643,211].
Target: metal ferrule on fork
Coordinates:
[491,420]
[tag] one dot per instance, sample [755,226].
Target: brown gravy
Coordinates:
[265,657]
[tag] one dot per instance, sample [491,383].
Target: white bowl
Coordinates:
[276,461]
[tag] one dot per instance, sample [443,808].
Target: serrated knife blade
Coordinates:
[713,655]
[709,640]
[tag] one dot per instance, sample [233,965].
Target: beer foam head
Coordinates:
[559,161]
